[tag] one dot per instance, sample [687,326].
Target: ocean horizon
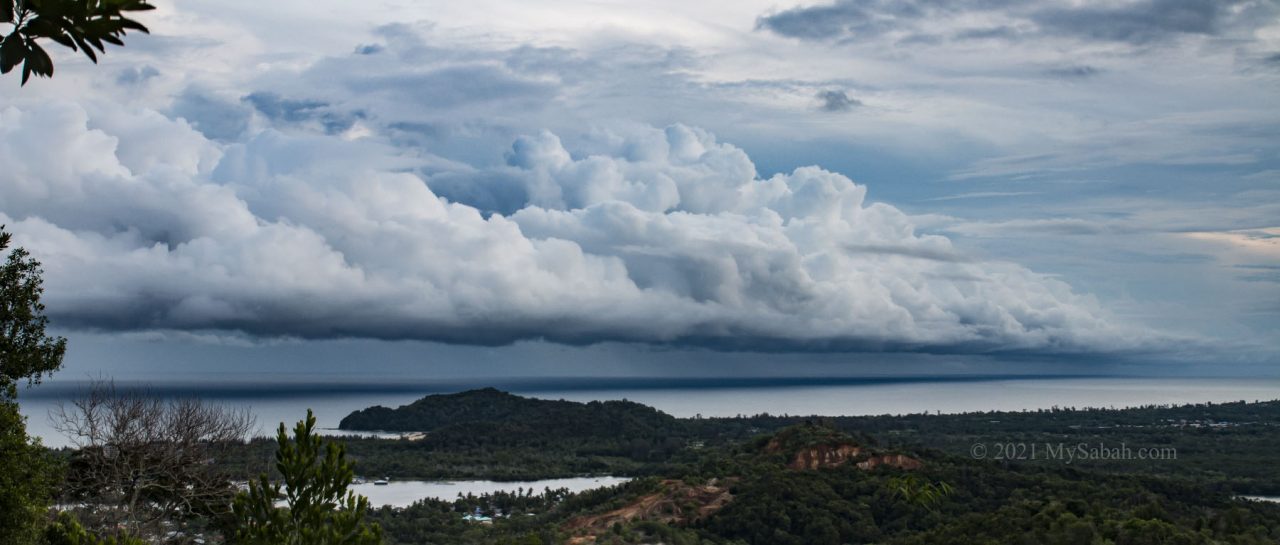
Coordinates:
[281,400]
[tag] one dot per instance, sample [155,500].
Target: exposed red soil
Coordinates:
[676,503]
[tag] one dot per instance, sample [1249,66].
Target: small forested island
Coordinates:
[765,479]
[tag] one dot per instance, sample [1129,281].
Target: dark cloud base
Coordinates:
[663,236]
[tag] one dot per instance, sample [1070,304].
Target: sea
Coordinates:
[276,401]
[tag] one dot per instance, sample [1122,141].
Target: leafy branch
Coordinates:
[81,25]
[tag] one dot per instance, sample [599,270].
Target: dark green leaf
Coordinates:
[41,27]
[64,40]
[38,57]
[80,25]
[88,51]
[52,10]
[12,51]
[130,23]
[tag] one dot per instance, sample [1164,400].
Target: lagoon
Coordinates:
[404,493]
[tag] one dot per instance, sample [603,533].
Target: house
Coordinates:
[477,518]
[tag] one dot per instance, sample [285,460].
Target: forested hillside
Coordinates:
[755,493]
[1222,446]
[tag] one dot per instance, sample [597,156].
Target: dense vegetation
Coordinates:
[318,507]
[487,419]
[524,517]
[1222,446]
[990,504]
[1219,450]
[944,496]
[29,476]
[495,435]
[987,502]
[514,415]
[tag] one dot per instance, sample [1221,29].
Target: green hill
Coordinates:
[496,414]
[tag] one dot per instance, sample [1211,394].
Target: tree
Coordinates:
[25,351]
[82,25]
[28,474]
[918,491]
[149,465]
[66,530]
[28,479]
[319,509]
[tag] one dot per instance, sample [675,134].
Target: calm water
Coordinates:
[288,402]
[403,493]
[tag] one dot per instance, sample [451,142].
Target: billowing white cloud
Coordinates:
[659,236]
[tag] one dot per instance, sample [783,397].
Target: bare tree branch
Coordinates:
[147,465]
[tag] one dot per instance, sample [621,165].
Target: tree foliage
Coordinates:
[66,530]
[26,352]
[1223,449]
[915,490]
[82,25]
[319,509]
[28,479]
[28,475]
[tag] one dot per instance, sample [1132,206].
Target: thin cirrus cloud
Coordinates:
[664,236]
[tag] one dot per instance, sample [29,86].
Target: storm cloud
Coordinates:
[478,179]
[665,236]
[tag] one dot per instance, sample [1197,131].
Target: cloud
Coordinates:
[944,253]
[1223,140]
[1269,175]
[662,236]
[922,21]
[981,195]
[843,19]
[1262,241]
[286,111]
[1136,22]
[1073,72]
[1260,273]
[1055,226]
[834,100]
[216,117]
[454,86]
[136,75]
[970,109]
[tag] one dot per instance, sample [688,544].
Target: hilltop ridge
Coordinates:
[492,408]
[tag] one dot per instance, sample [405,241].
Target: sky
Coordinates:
[655,187]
